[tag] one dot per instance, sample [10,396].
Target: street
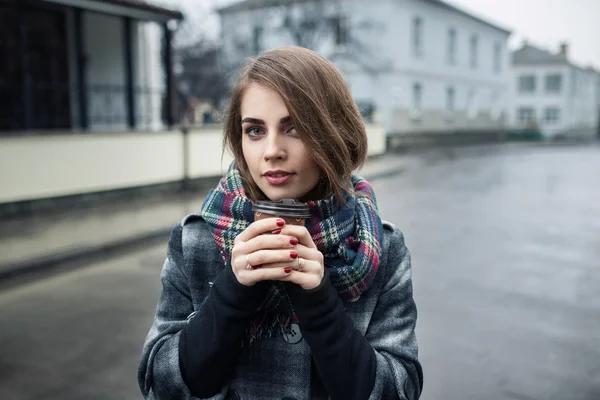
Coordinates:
[506,272]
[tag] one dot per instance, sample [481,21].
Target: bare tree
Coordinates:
[306,22]
[311,23]
[199,78]
[199,73]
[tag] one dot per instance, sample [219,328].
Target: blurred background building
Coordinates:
[553,95]
[414,66]
[89,66]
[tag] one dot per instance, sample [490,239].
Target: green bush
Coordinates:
[525,135]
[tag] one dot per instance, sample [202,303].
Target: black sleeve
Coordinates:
[211,341]
[346,362]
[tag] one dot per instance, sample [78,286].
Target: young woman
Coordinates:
[318,311]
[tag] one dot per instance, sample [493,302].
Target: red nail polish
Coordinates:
[293,241]
[276,232]
[293,254]
[280,222]
[287,270]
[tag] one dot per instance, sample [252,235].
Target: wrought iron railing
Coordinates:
[57,106]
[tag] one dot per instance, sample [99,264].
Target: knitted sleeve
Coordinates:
[345,361]
[190,354]
[383,364]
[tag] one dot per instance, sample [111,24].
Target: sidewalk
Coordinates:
[39,244]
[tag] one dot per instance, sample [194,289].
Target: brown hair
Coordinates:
[322,111]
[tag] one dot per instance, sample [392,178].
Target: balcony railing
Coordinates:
[56,106]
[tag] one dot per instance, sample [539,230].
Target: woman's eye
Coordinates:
[253,131]
[291,131]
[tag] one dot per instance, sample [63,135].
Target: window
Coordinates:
[451,46]
[526,115]
[472,104]
[340,27]
[417,96]
[551,115]
[553,83]
[47,92]
[474,45]
[495,105]
[257,36]
[450,98]
[526,83]
[417,37]
[497,58]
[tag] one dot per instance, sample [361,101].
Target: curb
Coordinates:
[42,267]
[46,266]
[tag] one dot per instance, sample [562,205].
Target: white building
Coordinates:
[85,65]
[79,80]
[553,95]
[423,65]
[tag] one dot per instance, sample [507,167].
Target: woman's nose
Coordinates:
[275,147]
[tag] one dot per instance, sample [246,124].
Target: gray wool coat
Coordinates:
[385,314]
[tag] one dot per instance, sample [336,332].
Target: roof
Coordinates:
[467,14]
[246,5]
[531,55]
[139,9]
[255,4]
[146,6]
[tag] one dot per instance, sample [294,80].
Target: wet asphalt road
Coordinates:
[506,269]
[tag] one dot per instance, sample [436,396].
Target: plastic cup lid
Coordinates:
[283,207]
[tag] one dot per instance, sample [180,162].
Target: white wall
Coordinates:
[491,89]
[36,167]
[205,152]
[436,22]
[376,139]
[47,166]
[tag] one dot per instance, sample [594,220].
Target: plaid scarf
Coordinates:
[348,236]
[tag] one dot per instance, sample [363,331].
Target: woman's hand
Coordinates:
[258,257]
[308,268]
[287,253]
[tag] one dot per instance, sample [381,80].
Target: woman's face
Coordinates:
[277,159]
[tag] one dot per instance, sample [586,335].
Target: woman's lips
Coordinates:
[278,179]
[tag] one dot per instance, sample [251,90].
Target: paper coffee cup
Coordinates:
[291,211]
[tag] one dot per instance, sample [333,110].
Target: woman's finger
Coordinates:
[300,233]
[269,241]
[266,257]
[309,253]
[299,264]
[303,259]
[251,277]
[307,281]
[259,227]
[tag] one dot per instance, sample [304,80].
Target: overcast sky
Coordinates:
[544,23]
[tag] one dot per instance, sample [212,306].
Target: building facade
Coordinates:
[89,65]
[553,95]
[415,66]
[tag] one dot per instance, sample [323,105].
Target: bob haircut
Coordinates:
[322,110]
